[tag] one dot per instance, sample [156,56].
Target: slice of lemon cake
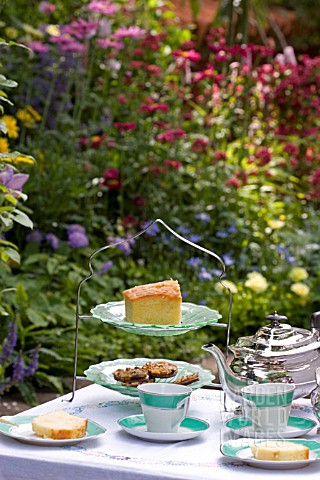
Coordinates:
[279,450]
[155,303]
[59,425]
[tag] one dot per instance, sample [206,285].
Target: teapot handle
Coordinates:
[315,322]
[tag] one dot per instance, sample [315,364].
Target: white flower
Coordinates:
[298,273]
[300,289]
[256,282]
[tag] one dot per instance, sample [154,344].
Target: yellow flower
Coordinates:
[298,273]
[11,124]
[26,118]
[34,113]
[53,30]
[230,285]
[11,33]
[256,282]
[274,224]
[4,145]
[300,289]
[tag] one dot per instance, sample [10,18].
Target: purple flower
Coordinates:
[228,260]
[13,181]
[53,240]
[105,43]
[227,232]
[152,231]
[10,343]
[38,47]
[75,227]
[194,261]
[105,268]
[183,230]
[125,246]
[101,6]
[77,239]
[204,275]
[204,217]
[35,236]
[195,238]
[46,8]
[284,251]
[33,363]
[18,369]
[81,29]
[184,294]
[202,302]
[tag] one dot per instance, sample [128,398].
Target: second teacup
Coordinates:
[268,405]
[164,405]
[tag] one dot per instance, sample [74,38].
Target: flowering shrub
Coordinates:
[129,122]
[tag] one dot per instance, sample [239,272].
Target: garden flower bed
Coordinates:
[128,122]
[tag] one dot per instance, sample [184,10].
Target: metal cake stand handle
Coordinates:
[112,245]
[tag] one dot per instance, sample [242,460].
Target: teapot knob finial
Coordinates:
[276,319]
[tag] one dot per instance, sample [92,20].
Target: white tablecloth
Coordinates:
[120,456]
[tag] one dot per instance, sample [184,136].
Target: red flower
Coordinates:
[218,155]
[124,127]
[173,163]
[154,107]
[191,55]
[233,182]
[264,156]
[171,135]
[200,145]
[111,179]
[139,201]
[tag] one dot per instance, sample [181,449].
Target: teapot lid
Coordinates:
[279,338]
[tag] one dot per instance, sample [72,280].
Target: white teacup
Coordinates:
[164,405]
[268,405]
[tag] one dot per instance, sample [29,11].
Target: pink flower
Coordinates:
[289,55]
[139,201]
[155,107]
[200,145]
[191,55]
[291,149]
[264,155]
[132,32]
[171,135]
[101,6]
[107,43]
[81,29]
[38,47]
[218,155]
[173,164]
[125,126]
[46,8]
[233,182]
[111,179]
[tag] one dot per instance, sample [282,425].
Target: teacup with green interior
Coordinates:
[268,405]
[164,405]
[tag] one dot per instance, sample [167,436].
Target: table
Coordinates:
[120,456]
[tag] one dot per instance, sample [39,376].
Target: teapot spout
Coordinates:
[230,383]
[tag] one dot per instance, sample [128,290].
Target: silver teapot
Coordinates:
[278,352]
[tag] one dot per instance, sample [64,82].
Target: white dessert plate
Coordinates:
[192,317]
[102,374]
[22,431]
[240,449]
[297,427]
[190,428]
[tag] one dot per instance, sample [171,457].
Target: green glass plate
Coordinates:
[192,317]
[102,374]
[21,430]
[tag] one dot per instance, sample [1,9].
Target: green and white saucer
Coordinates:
[297,427]
[21,430]
[190,428]
[193,317]
[240,449]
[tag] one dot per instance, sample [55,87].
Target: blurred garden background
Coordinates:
[115,113]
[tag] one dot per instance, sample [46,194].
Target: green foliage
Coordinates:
[222,147]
